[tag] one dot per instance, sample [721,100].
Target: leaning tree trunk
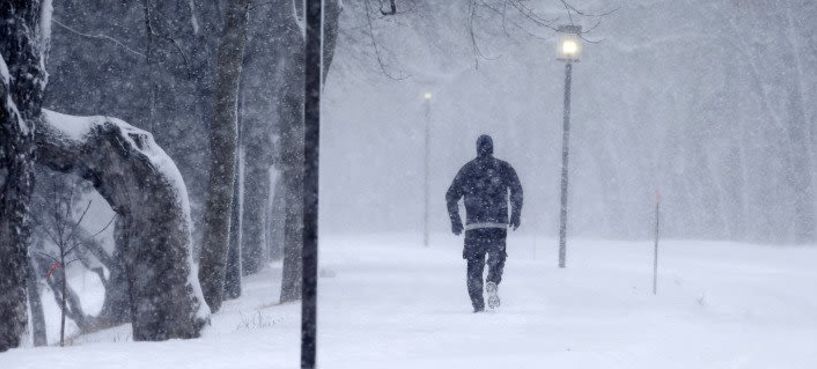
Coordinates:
[115,308]
[24,33]
[222,147]
[143,186]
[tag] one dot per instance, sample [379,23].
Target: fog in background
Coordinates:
[710,103]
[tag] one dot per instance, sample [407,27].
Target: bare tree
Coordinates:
[24,36]
[223,137]
[505,17]
[291,126]
[61,230]
[68,242]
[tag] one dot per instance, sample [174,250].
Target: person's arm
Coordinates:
[452,198]
[516,197]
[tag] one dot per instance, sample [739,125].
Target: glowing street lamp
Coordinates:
[569,51]
[570,44]
[427,102]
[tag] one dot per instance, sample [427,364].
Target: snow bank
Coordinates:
[394,304]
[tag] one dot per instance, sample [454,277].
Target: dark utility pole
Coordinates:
[312,122]
[565,149]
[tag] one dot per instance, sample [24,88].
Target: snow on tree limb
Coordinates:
[143,185]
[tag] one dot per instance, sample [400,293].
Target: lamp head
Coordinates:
[570,44]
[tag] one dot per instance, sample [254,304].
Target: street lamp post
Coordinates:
[313,10]
[427,102]
[570,48]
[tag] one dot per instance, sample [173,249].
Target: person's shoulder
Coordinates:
[470,164]
[467,167]
[503,164]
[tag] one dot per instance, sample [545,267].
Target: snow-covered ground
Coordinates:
[387,302]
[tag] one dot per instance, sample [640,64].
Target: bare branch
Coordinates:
[78,222]
[72,248]
[532,16]
[99,36]
[48,256]
[105,227]
[569,15]
[377,47]
[581,34]
[572,8]
[472,10]
[505,19]
[95,248]
[45,229]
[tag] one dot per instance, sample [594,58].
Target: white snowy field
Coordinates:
[387,302]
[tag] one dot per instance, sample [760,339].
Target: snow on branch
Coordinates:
[144,187]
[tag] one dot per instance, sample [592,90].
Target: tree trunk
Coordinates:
[266,59]
[232,282]
[143,186]
[222,146]
[292,141]
[331,29]
[115,309]
[276,219]
[66,298]
[291,121]
[15,189]
[63,285]
[256,189]
[23,46]
[35,302]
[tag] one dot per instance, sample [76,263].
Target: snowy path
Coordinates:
[393,304]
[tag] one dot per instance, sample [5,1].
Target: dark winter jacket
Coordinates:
[485,183]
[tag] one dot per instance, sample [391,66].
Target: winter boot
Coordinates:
[493,299]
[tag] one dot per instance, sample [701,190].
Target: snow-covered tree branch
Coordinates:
[144,187]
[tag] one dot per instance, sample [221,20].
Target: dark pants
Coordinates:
[478,243]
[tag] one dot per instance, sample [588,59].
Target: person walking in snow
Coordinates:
[485,183]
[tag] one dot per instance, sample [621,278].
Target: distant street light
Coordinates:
[427,102]
[570,49]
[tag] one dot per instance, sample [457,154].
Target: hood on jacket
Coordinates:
[485,146]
